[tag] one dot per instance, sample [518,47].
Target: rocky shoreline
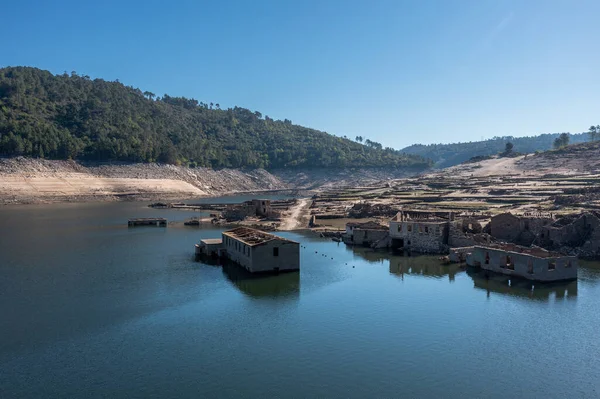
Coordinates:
[29,181]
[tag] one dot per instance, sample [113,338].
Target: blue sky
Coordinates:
[396,72]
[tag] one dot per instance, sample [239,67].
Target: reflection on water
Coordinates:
[97,309]
[522,288]
[263,286]
[399,265]
[427,266]
[431,266]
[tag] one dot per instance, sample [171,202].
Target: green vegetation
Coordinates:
[444,155]
[74,117]
[594,132]
[561,141]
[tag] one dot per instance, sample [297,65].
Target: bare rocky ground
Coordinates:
[323,178]
[25,180]
[562,182]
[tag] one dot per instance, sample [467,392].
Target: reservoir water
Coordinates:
[90,308]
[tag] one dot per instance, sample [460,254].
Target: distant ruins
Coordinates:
[534,246]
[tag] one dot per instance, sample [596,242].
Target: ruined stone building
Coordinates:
[256,207]
[420,231]
[366,234]
[258,251]
[580,234]
[262,207]
[254,250]
[467,232]
[520,229]
[530,263]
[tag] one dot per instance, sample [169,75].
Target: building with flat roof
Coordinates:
[258,251]
[209,247]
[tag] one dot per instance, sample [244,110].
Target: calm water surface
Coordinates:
[91,308]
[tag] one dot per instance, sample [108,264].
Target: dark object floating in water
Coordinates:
[159,222]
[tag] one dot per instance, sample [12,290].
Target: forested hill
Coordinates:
[73,117]
[445,155]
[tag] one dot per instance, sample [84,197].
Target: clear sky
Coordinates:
[396,72]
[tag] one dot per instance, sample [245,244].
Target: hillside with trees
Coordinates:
[445,155]
[71,116]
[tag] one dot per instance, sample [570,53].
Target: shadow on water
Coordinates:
[284,285]
[495,283]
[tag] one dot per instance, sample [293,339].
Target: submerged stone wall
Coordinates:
[524,265]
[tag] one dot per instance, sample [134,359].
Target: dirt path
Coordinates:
[294,219]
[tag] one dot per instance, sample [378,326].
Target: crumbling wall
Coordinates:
[418,236]
[580,235]
[522,230]
[505,226]
[239,212]
[466,232]
[365,210]
[366,237]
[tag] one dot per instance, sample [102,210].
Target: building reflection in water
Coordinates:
[427,266]
[501,284]
[431,266]
[284,285]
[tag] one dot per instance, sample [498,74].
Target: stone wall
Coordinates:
[420,236]
[505,226]
[581,236]
[518,229]
[365,237]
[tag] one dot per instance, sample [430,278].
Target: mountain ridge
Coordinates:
[74,117]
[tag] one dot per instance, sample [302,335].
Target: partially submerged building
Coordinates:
[366,234]
[530,263]
[210,247]
[254,250]
[425,232]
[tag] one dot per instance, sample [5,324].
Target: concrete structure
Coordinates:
[159,222]
[531,263]
[209,247]
[520,229]
[257,251]
[420,232]
[459,255]
[366,234]
[581,232]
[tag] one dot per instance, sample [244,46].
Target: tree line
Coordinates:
[71,116]
[444,155]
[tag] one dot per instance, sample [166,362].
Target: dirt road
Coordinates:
[298,216]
